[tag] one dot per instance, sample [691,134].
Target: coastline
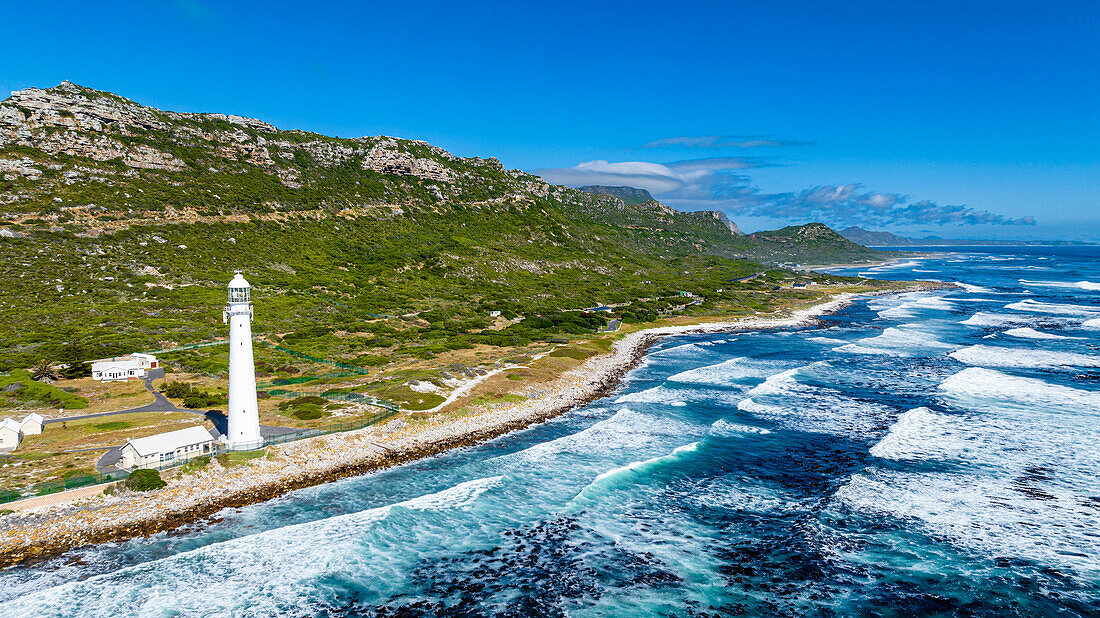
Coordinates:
[47,531]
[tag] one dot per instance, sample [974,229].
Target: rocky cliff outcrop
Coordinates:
[76,121]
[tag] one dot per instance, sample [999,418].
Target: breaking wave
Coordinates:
[1073,285]
[1034,306]
[1031,333]
[994,356]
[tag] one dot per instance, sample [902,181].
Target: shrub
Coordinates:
[304,400]
[308,414]
[144,480]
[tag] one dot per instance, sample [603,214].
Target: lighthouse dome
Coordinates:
[238,281]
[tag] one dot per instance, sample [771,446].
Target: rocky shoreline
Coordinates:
[50,531]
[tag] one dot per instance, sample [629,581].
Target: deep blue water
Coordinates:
[917,454]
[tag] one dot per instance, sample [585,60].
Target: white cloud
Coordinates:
[680,179]
[718,183]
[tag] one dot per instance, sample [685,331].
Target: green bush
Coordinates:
[144,480]
[301,401]
[308,414]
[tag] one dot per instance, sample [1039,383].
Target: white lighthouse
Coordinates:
[244,412]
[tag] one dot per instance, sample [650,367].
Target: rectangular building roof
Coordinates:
[170,441]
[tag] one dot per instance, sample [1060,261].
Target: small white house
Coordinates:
[163,448]
[494,314]
[31,425]
[10,435]
[130,367]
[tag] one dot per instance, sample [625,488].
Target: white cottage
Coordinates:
[31,425]
[163,448]
[10,435]
[130,367]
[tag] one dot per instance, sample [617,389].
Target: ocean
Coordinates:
[932,453]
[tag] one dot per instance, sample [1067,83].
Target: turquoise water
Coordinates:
[927,453]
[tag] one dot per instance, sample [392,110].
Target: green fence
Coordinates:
[329,429]
[324,361]
[73,482]
[84,480]
[193,346]
[333,396]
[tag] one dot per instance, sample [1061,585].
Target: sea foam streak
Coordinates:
[1077,285]
[1031,333]
[1034,306]
[973,289]
[731,372]
[993,356]
[902,341]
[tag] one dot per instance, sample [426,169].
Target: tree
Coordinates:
[144,480]
[76,370]
[43,371]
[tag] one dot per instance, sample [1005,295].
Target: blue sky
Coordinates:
[961,119]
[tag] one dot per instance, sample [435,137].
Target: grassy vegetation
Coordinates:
[362,281]
[18,388]
[238,458]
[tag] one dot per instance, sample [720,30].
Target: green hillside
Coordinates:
[120,224]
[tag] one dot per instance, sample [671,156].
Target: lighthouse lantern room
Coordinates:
[244,412]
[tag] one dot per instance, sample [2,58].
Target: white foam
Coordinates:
[1075,285]
[788,400]
[827,340]
[973,289]
[905,305]
[723,427]
[1092,324]
[260,574]
[911,435]
[1034,306]
[627,429]
[895,265]
[901,341]
[985,515]
[658,394]
[979,388]
[984,318]
[1031,333]
[731,372]
[993,356]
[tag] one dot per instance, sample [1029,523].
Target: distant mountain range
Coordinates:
[868,238]
[633,196]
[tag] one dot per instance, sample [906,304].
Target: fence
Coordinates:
[335,396]
[73,482]
[328,429]
[84,480]
[352,368]
[193,346]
